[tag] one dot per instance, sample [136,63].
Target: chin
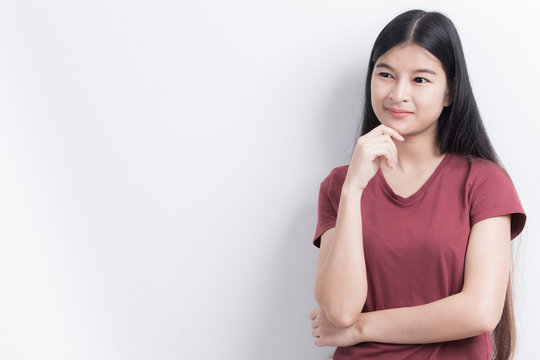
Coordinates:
[396,125]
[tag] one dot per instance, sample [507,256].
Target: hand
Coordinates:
[328,334]
[369,147]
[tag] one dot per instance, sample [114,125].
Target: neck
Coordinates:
[416,153]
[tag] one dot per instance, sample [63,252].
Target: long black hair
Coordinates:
[459,128]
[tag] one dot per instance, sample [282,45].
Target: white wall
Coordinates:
[160,165]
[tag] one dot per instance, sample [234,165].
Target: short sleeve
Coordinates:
[494,194]
[327,213]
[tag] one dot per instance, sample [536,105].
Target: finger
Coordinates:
[392,132]
[390,154]
[383,129]
[382,150]
[393,148]
[386,140]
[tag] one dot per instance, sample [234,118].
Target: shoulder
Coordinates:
[337,173]
[485,172]
[479,169]
[482,166]
[491,192]
[336,177]
[468,161]
[333,182]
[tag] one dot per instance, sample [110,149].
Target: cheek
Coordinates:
[377,95]
[430,102]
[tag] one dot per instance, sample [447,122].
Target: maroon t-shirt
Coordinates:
[415,246]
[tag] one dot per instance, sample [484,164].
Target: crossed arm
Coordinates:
[475,310]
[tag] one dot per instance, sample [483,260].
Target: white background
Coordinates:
[161,160]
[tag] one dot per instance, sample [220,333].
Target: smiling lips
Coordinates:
[398,112]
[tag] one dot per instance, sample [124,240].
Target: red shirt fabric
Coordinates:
[415,246]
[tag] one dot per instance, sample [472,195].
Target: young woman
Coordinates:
[414,233]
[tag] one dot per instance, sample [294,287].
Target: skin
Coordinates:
[398,83]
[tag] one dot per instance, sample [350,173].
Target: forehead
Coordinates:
[410,57]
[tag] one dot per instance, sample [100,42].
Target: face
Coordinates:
[409,90]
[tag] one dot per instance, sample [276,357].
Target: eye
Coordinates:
[385,75]
[421,80]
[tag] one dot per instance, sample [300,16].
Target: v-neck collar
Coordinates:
[406,201]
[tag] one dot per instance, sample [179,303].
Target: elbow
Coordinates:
[488,318]
[342,319]
[340,313]
[489,323]
[481,311]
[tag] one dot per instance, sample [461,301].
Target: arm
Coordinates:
[341,283]
[475,310]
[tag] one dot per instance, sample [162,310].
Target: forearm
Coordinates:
[451,318]
[341,286]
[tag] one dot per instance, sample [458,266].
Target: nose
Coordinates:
[400,91]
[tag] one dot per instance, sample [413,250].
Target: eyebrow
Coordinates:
[383,65]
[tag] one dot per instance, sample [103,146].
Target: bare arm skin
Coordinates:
[341,283]
[475,310]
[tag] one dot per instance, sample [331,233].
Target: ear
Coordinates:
[449,95]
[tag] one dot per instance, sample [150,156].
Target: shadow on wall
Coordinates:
[283,330]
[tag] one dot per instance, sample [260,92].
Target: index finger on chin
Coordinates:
[386,130]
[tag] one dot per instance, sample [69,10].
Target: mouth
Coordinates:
[398,112]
